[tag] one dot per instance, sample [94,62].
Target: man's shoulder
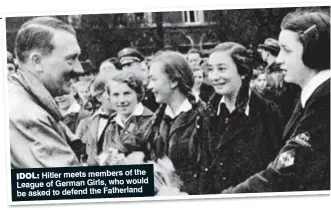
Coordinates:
[22,106]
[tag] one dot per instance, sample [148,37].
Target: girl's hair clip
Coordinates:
[313,27]
[309,35]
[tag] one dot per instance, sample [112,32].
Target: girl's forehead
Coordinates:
[220,57]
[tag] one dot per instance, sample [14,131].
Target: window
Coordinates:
[193,16]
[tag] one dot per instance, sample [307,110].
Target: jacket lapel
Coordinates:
[182,120]
[236,127]
[241,122]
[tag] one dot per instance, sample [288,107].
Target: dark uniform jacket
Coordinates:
[303,164]
[179,139]
[236,145]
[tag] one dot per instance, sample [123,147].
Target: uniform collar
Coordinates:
[184,107]
[100,111]
[313,84]
[223,101]
[138,111]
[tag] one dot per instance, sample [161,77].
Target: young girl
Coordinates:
[242,128]
[200,90]
[174,131]
[126,91]
[303,164]
[259,80]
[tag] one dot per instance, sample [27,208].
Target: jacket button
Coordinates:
[195,176]
[206,169]
[226,121]
[221,163]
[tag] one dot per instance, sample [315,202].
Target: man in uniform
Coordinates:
[132,60]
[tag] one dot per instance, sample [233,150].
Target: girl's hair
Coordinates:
[313,28]
[178,70]
[133,79]
[243,60]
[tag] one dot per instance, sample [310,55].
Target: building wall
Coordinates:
[102,36]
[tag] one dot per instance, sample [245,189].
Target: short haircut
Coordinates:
[133,79]
[38,33]
[243,60]
[313,28]
[239,54]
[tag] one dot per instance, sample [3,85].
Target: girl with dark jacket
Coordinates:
[242,129]
[126,91]
[303,163]
[174,131]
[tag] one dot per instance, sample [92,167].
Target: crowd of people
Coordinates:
[228,123]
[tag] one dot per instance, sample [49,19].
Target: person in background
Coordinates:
[194,58]
[259,82]
[284,94]
[72,111]
[241,129]
[303,163]
[126,90]
[269,51]
[82,93]
[47,51]
[174,130]
[129,58]
[132,60]
[92,130]
[201,90]
[89,71]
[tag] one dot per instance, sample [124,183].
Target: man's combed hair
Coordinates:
[38,34]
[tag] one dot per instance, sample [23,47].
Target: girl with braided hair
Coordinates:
[242,127]
[174,131]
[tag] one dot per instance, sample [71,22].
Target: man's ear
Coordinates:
[35,58]
[174,84]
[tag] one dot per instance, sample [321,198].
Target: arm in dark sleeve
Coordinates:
[302,163]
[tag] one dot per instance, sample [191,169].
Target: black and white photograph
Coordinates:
[226,101]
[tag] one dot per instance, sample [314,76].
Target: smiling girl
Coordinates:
[126,91]
[174,131]
[242,127]
[304,161]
